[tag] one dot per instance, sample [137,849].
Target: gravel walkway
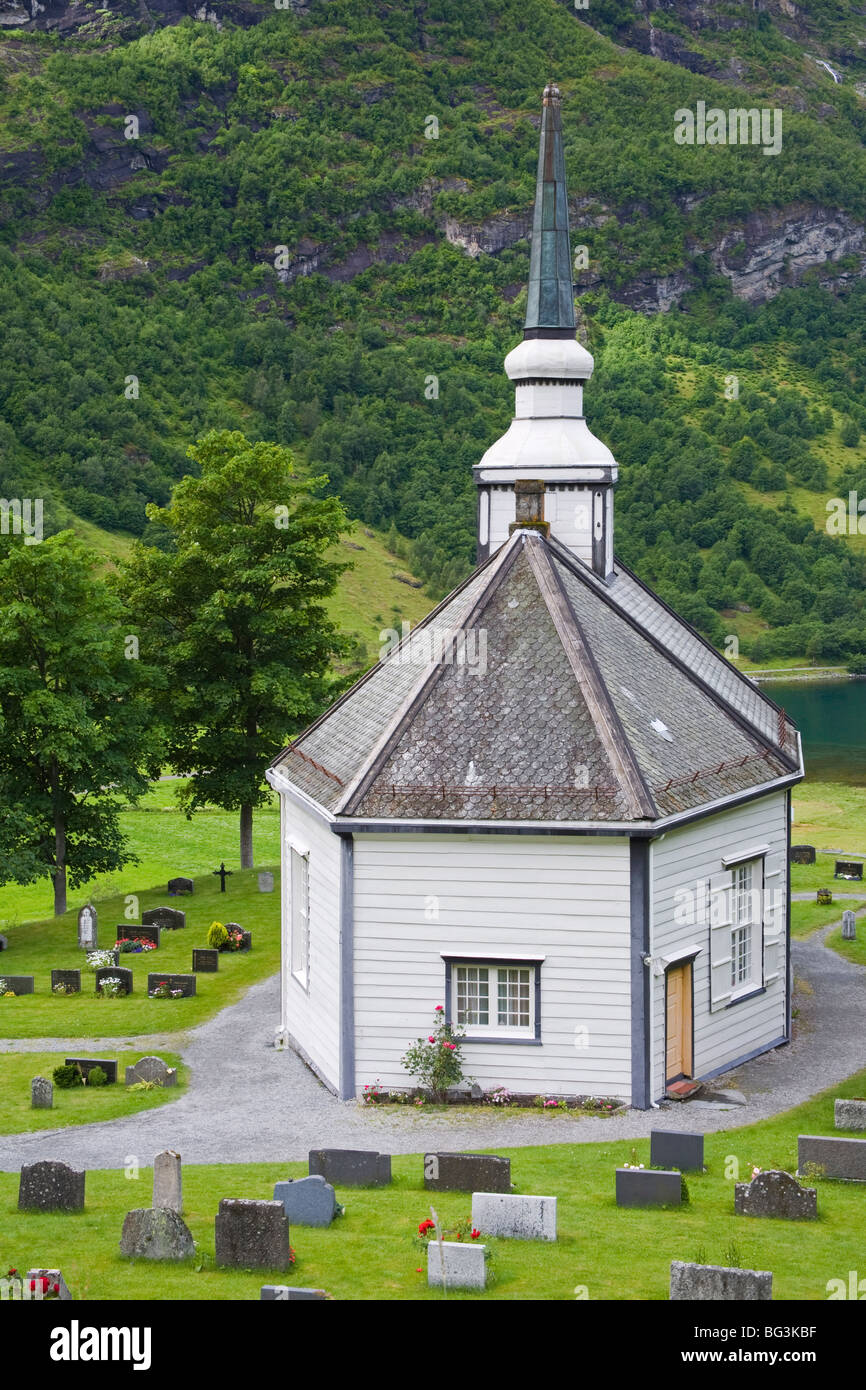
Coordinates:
[249,1103]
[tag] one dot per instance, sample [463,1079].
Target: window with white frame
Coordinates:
[746,929]
[300,914]
[495,999]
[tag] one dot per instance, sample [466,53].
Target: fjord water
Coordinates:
[831,716]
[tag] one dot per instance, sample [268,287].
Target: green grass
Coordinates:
[38,947]
[83,1105]
[829,814]
[851,950]
[808,917]
[370,1254]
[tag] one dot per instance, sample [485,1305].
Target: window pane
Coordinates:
[472,996]
[741,955]
[300,909]
[512,998]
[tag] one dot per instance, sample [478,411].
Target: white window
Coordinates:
[747,926]
[300,914]
[494,999]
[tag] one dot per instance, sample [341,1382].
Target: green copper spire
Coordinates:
[550,307]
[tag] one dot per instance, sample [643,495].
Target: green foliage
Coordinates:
[67,1076]
[97,1076]
[436,1062]
[216,935]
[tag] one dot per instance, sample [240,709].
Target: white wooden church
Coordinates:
[553,809]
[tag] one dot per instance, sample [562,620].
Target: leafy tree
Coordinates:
[76,736]
[232,613]
[850,433]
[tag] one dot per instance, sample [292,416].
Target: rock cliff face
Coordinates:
[121,16]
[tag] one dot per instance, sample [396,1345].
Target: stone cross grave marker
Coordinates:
[223,873]
[87,929]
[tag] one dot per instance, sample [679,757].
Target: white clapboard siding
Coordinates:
[314,1013]
[681,861]
[565,899]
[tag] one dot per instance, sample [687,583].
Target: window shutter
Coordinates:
[720,923]
[775,926]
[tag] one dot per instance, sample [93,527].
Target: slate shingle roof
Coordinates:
[537,692]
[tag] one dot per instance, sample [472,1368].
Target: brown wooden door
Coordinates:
[678,1062]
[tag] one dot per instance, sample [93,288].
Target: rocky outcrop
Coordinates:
[123,16]
[775,248]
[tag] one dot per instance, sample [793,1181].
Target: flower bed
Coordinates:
[133,945]
[373,1094]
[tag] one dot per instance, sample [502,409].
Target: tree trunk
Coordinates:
[59,862]
[246,837]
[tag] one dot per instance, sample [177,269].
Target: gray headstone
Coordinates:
[247,941]
[115,972]
[185,983]
[462,1265]
[351,1167]
[168,918]
[19,984]
[205,960]
[86,1064]
[151,1069]
[648,1187]
[67,977]
[57,1288]
[839,1158]
[671,1148]
[4,942]
[41,1093]
[50,1186]
[520,1218]
[776,1193]
[690,1282]
[850,1114]
[454,1172]
[180,885]
[87,928]
[283,1293]
[307,1201]
[156,1233]
[849,926]
[168,1181]
[252,1235]
[266,883]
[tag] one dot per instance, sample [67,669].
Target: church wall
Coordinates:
[565,899]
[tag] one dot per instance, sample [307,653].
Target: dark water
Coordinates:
[831,716]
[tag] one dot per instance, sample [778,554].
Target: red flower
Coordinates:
[417,1271]
[475,1233]
[32,1285]
[425,1226]
[431,1038]
[439,1009]
[57,1288]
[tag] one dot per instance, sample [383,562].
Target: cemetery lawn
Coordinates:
[369,1254]
[827,814]
[851,950]
[37,947]
[83,1105]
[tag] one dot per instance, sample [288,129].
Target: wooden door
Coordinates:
[679,1022]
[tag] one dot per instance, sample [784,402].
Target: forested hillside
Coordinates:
[311,224]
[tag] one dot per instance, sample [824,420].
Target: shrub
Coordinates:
[97,1077]
[216,935]
[436,1061]
[67,1077]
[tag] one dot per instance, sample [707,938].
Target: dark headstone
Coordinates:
[307,1201]
[839,1158]
[185,983]
[247,937]
[114,972]
[180,885]
[87,1064]
[647,1187]
[205,960]
[252,1235]
[4,942]
[280,1293]
[802,854]
[49,1186]
[146,932]
[454,1172]
[776,1193]
[669,1148]
[19,984]
[848,868]
[41,1093]
[156,1233]
[87,928]
[169,918]
[351,1167]
[151,1069]
[67,977]
[716,1283]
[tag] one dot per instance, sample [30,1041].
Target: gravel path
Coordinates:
[249,1103]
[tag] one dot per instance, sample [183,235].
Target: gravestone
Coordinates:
[850,1114]
[351,1167]
[41,1093]
[180,885]
[802,854]
[283,1293]
[824,897]
[456,1265]
[19,984]
[519,1218]
[56,1285]
[67,977]
[456,1172]
[849,926]
[776,1193]
[849,868]
[156,1233]
[648,1187]
[50,1186]
[307,1201]
[670,1148]
[205,960]
[247,941]
[169,918]
[839,1158]
[168,1181]
[4,942]
[691,1282]
[151,1069]
[87,1064]
[114,972]
[146,932]
[185,983]
[266,883]
[252,1235]
[87,929]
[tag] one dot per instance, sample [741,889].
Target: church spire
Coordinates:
[550,306]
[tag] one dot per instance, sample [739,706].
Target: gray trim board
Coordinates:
[641,1042]
[347,968]
[789,969]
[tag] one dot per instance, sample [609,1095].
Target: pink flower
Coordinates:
[439,1009]
[431,1038]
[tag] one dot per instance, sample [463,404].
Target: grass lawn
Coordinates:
[83,1105]
[851,950]
[369,1253]
[808,917]
[827,815]
[36,948]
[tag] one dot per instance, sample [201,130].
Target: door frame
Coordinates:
[685,964]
